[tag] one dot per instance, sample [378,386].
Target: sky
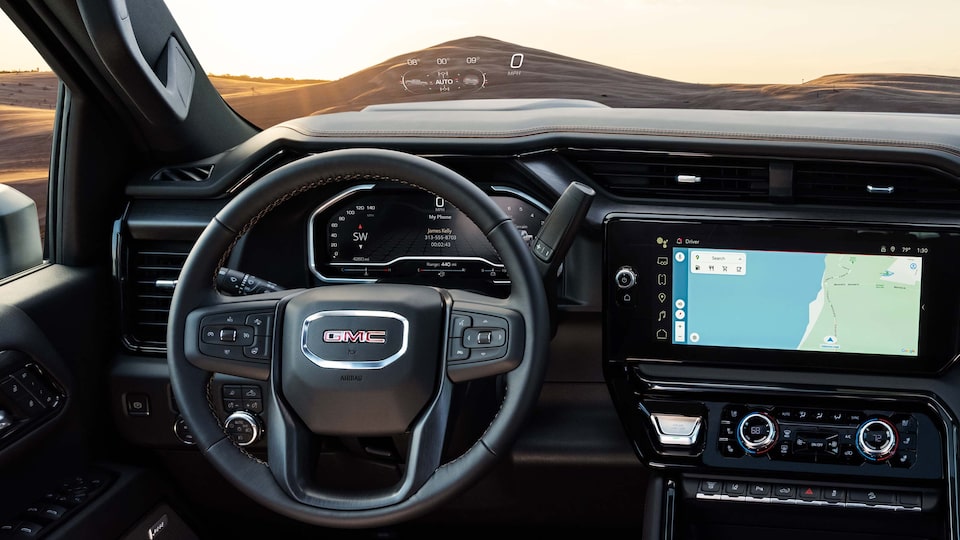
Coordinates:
[701,41]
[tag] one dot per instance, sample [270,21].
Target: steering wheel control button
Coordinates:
[243,427]
[259,349]
[252,392]
[137,404]
[232,405]
[223,319]
[484,337]
[456,350]
[228,335]
[877,439]
[494,353]
[232,391]
[676,429]
[226,352]
[757,433]
[262,323]
[543,251]
[458,324]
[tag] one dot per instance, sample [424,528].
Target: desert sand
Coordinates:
[27,102]
[546,74]
[27,99]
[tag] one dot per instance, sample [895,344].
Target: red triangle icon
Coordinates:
[809,491]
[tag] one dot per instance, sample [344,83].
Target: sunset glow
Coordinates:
[705,41]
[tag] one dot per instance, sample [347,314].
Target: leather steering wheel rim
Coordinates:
[195,289]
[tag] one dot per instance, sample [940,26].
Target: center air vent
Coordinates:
[879,184]
[677,176]
[151,275]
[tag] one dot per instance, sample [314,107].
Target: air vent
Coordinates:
[275,161]
[678,176]
[152,273]
[196,173]
[879,184]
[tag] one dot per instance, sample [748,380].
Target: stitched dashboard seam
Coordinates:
[569,129]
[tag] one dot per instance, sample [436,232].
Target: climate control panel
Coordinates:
[841,437]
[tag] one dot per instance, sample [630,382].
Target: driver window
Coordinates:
[28,101]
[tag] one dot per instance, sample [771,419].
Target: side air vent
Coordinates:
[675,176]
[151,276]
[879,184]
[275,161]
[197,173]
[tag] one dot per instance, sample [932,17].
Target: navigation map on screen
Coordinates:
[824,302]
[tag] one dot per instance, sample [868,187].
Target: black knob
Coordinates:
[757,433]
[877,439]
[243,427]
[625,277]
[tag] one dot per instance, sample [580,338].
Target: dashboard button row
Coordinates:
[761,492]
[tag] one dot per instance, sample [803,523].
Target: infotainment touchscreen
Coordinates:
[829,295]
[822,302]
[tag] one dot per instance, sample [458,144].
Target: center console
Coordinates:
[831,301]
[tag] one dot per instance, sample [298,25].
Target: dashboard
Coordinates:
[756,299]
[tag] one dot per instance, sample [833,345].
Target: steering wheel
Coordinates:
[358,360]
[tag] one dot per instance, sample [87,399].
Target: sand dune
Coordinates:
[546,74]
[27,99]
[36,89]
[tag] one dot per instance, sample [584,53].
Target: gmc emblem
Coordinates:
[355,336]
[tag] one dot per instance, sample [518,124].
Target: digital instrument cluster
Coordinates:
[367,234]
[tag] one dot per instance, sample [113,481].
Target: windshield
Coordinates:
[291,59]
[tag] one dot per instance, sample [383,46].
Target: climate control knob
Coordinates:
[877,439]
[625,277]
[757,433]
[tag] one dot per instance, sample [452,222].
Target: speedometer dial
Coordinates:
[372,229]
[407,235]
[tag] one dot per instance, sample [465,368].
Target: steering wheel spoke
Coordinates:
[234,336]
[292,449]
[485,337]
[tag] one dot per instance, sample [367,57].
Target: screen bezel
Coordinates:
[629,328]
